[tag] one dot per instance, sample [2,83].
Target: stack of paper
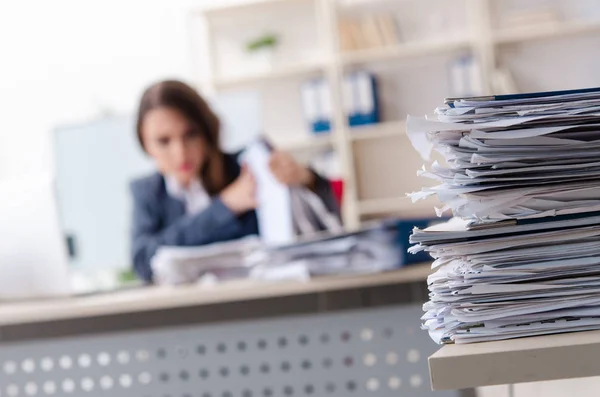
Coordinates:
[371,249]
[179,265]
[523,174]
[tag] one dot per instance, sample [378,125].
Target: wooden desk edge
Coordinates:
[533,359]
[157,298]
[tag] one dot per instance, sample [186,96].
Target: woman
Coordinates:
[200,195]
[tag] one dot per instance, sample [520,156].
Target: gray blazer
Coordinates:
[159,219]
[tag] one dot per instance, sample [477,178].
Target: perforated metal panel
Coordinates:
[378,352]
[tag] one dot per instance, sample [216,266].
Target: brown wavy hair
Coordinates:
[186,100]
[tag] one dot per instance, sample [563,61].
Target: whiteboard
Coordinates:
[95,163]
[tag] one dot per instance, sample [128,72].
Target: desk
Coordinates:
[163,298]
[548,357]
[334,336]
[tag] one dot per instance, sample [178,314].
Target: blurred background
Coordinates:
[331,81]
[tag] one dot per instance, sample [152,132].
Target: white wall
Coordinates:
[62,61]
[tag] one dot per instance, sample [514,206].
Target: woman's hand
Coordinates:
[289,172]
[240,196]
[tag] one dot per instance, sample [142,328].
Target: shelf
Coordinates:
[401,205]
[307,70]
[245,6]
[315,142]
[361,133]
[377,143]
[384,205]
[377,131]
[403,50]
[534,359]
[550,30]
[366,3]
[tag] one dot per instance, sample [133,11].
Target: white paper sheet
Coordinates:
[274,210]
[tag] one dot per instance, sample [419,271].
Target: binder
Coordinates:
[359,100]
[362,100]
[316,102]
[529,95]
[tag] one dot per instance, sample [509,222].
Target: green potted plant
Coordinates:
[262,49]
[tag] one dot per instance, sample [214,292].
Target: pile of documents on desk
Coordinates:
[372,249]
[522,256]
[220,261]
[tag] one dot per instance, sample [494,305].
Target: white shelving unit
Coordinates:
[392,160]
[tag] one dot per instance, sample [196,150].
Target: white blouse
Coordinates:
[195,197]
